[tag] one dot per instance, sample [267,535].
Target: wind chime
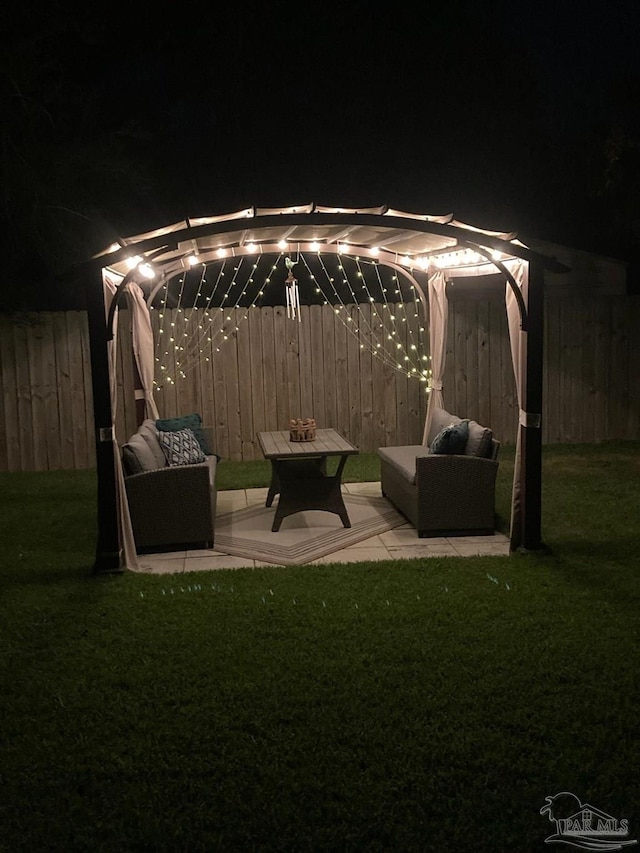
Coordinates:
[291,287]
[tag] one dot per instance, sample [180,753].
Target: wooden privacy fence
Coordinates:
[273,368]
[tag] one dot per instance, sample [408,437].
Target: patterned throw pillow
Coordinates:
[181,447]
[452,439]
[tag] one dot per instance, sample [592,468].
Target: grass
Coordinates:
[399,706]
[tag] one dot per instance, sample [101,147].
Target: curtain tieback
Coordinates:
[530,419]
[435,386]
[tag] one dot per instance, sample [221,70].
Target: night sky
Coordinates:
[522,116]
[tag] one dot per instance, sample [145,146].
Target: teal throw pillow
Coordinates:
[452,439]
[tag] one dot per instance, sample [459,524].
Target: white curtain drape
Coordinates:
[518,340]
[128,555]
[143,349]
[438,314]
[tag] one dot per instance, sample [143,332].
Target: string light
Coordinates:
[202,334]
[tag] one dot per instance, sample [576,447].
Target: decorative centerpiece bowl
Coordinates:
[302,430]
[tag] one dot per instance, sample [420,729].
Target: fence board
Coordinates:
[460,326]
[619,365]
[256,384]
[342,388]
[245,388]
[281,389]
[26,400]
[551,401]
[378,389]
[80,392]
[12,450]
[633,373]
[221,423]
[269,369]
[4,458]
[483,364]
[366,387]
[470,338]
[587,372]
[29,348]
[329,357]
[318,368]
[63,390]
[353,376]
[231,383]
[305,365]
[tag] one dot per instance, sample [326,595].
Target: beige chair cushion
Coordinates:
[137,457]
[150,434]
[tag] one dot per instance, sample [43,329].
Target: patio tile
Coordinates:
[353,555]
[256,496]
[161,566]
[220,561]
[205,552]
[372,542]
[362,489]
[406,535]
[476,540]
[230,501]
[467,549]
[438,548]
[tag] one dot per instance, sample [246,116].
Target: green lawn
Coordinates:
[423,705]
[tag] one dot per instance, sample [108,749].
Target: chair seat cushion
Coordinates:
[403,459]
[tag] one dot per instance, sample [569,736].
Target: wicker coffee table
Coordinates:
[299,473]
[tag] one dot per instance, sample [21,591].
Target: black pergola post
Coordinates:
[107,557]
[531,435]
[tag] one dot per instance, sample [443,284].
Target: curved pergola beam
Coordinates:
[169,241]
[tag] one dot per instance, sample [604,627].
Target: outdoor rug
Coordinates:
[305,536]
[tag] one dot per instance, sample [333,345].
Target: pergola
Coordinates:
[426,250]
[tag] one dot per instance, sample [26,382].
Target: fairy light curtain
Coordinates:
[192,322]
[187,335]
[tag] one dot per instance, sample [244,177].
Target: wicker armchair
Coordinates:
[442,495]
[173,505]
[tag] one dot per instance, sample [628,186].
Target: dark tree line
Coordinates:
[103,133]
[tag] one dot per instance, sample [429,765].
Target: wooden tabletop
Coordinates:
[328,442]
